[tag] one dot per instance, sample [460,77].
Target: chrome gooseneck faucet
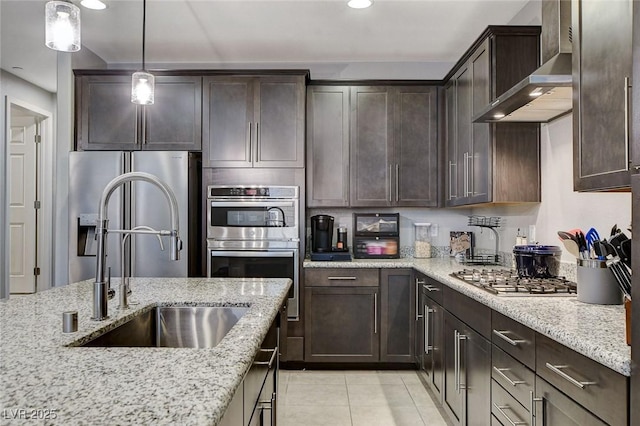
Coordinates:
[101,286]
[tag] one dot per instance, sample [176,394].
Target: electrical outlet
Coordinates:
[434,230]
[532,234]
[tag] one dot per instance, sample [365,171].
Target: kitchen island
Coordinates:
[44,377]
[596,331]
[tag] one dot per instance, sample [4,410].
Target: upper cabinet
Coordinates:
[486,162]
[107,120]
[372,146]
[254,121]
[602,66]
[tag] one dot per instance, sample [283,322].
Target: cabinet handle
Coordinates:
[248,141]
[451,166]
[389,180]
[532,407]
[465,173]
[342,278]
[501,409]
[375,313]
[430,288]
[460,337]
[418,282]
[627,85]
[397,182]
[456,364]
[500,333]
[469,175]
[558,370]
[427,331]
[500,371]
[269,363]
[258,156]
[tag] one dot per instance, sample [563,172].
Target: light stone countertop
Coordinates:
[96,386]
[596,331]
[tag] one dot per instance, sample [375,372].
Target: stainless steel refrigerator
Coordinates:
[133,205]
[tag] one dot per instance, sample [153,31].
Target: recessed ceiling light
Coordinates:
[498,115]
[359,4]
[93,4]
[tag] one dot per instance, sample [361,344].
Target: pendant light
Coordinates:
[62,26]
[142,82]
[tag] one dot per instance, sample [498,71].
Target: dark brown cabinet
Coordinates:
[107,120]
[555,408]
[327,146]
[342,315]
[602,68]
[253,121]
[394,147]
[491,162]
[397,315]
[432,350]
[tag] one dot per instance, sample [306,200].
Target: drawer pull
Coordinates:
[342,278]
[430,288]
[503,336]
[273,357]
[501,409]
[504,376]
[558,370]
[532,406]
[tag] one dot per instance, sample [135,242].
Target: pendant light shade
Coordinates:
[142,82]
[142,88]
[62,26]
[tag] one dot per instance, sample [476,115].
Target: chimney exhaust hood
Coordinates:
[546,94]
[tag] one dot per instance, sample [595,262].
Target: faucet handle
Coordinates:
[111,293]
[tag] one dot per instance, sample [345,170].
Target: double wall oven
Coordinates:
[254,232]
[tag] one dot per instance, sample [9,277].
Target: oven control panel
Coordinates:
[252,191]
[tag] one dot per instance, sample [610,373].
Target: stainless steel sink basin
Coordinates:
[174,327]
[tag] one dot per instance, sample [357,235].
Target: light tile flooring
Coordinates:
[354,398]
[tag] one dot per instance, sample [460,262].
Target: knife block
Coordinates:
[627,312]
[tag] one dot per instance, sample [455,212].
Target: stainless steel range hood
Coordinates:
[546,94]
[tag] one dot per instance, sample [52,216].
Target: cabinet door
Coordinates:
[452,166]
[279,122]
[602,69]
[397,320]
[371,142]
[341,324]
[105,117]
[416,146]
[555,408]
[228,128]
[452,397]
[433,349]
[174,121]
[463,140]
[475,352]
[328,146]
[480,159]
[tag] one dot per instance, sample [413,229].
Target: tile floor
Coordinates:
[354,398]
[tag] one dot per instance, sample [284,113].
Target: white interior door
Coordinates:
[23,164]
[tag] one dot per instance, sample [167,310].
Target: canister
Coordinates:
[422,241]
[596,283]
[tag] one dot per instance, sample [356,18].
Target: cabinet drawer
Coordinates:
[430,287]
[341,277]
[506,409]
[519,380]
[471,312]
[596,387]
[514,338]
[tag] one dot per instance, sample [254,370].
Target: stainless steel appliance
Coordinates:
[134,205]
[253,231]
[505,282]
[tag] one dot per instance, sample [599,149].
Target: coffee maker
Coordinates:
[322,240]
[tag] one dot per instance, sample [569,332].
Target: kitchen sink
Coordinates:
[173,327]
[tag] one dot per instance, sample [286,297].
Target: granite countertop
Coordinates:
[596,331]
[86,385]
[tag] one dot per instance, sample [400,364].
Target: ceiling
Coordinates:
[425,36]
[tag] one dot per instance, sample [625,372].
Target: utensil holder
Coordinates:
[596,283]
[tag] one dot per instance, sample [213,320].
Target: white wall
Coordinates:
[561,208]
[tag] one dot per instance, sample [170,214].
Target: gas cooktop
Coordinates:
[504,282]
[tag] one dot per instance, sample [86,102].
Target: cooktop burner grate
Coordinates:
[507,282]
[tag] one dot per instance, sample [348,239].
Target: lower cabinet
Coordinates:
[397,315]
[432,349]
[255,400]
[467,378]
[555,408]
